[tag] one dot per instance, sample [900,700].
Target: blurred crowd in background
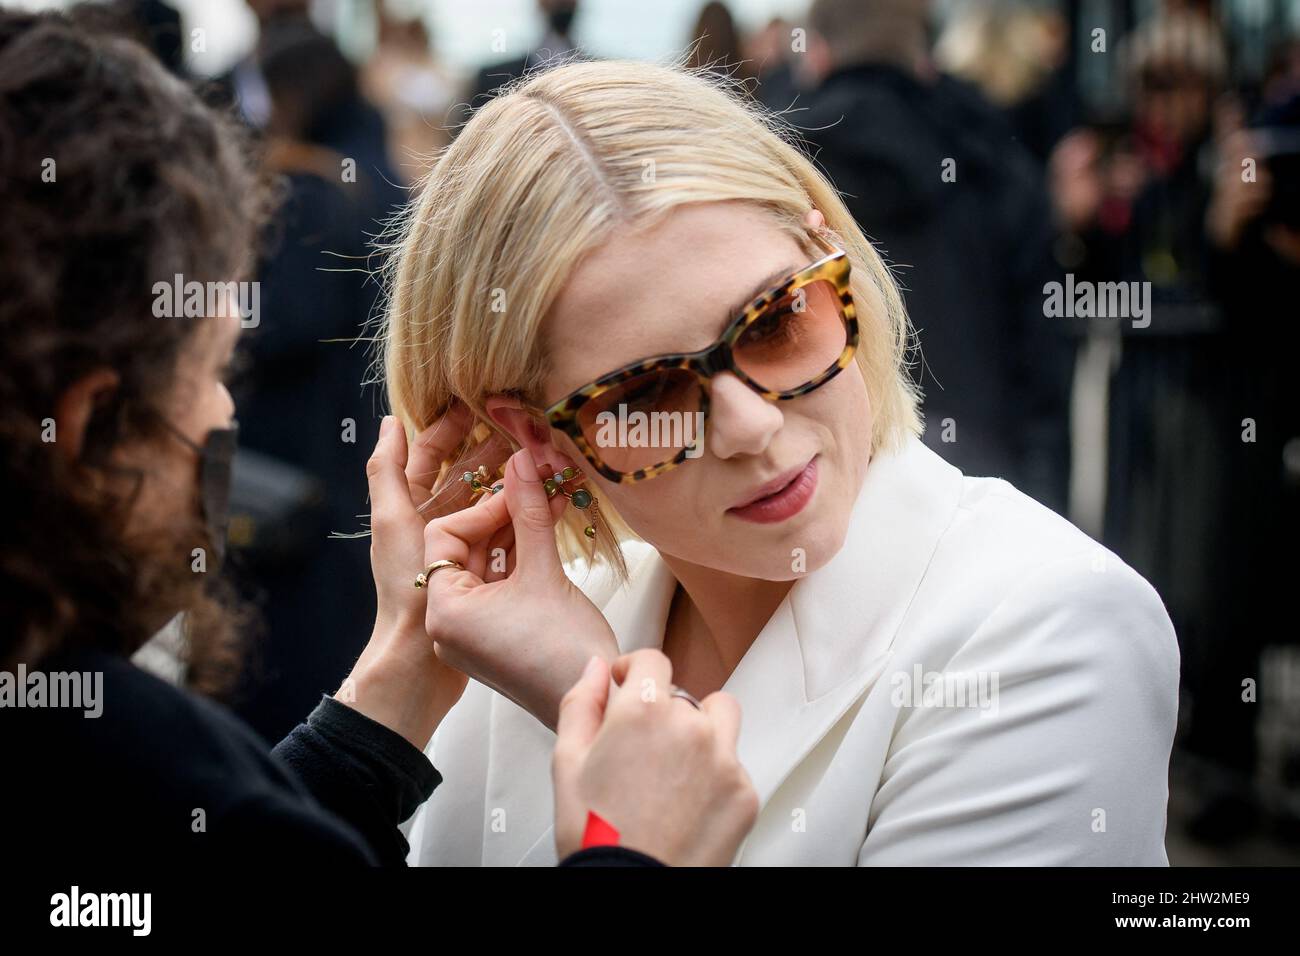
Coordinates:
[989,149]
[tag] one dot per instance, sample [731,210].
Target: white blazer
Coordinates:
[1059,756]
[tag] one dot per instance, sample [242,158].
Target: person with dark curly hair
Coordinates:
[118,186]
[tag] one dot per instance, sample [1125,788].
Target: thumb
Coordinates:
[530,514]
[582,709]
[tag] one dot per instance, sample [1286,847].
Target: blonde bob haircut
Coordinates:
[546,172]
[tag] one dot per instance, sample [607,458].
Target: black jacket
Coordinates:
[164,776]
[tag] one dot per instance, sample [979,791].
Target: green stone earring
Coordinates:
[581,498]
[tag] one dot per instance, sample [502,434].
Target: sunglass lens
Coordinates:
[645,421]
[796,339]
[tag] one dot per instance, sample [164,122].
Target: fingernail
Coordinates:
[386,425]
[591,666]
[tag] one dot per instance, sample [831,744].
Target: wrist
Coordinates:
[403,627]
[399,686]
[560,677]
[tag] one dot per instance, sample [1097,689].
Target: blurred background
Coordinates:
[989,149]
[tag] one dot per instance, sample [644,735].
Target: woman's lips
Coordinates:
[785,502]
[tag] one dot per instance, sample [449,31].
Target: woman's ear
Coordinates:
[76,405]
[524,427]
[814,219]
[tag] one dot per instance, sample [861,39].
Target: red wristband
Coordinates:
[599,832]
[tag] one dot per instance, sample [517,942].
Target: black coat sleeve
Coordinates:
[372,779]
[609,856]
[362,772]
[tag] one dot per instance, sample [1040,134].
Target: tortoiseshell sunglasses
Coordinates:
[648,417]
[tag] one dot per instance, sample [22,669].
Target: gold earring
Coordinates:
[581,498]
[478,481]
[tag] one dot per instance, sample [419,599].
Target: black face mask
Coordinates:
[216,460]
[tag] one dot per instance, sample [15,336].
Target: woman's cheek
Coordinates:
[658,510]
[210,407]
[852,419]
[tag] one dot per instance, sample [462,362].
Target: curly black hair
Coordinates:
[113,175]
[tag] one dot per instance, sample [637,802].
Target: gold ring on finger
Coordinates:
[422,579]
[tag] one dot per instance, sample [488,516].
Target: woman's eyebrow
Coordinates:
[759,288]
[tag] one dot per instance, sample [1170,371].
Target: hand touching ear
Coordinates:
[436,445]
[398,680]
[511,618]
[520,626]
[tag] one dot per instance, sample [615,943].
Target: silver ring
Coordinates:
[686,696]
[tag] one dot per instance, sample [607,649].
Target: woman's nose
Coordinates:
[741,422]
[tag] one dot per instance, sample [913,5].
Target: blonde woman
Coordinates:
[930,668]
